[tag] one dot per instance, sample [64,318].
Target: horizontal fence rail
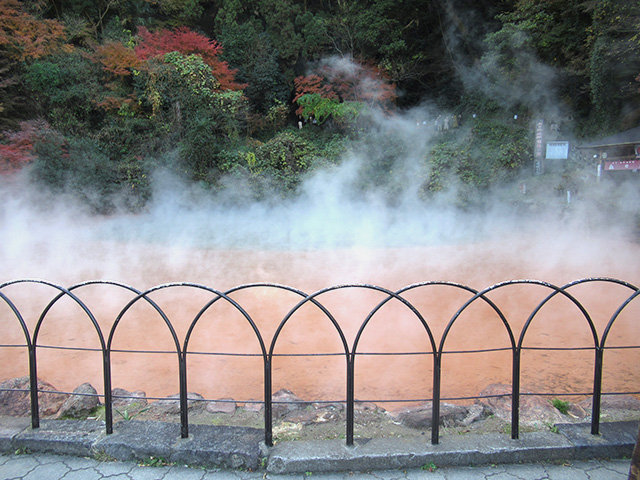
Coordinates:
[267,347]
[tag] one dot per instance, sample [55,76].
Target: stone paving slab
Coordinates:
[612,442]
[242,448]
[9,428]
[136,441]
[207,445]
[230,447]
[64,437]
[381,453]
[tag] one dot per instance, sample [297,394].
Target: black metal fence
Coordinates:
[350,351]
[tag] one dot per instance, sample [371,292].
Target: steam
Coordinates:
[340,208]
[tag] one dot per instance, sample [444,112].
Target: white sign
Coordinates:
[557,150]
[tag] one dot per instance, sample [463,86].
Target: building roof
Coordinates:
[627,137]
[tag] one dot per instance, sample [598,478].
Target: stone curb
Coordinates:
[238,447]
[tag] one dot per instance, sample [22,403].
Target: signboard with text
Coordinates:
[622,165]
[557,150]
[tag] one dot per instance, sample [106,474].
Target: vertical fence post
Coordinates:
[268,407]
[33,387]
[108,397]
[435,411]
[597,392]
[350,398]
[184,406]
[515,395]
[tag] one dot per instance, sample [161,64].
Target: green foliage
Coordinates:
[561,406]
[429,466]
[557,31]
[127,416]
[442,161]
[180,12]
[14,100]
[81,167]
[322,109]
[155,462]
[493,152]
[279,17]
[285,152]
[249,49]
[130,91]
[66,87]
[508,146]
[281,162]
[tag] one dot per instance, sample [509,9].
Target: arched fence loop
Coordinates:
[437,379]
[435,412]
[247,317]
[598,346]
[266,348]
[269,386]
[32,345]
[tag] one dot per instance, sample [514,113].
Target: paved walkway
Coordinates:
[43,466]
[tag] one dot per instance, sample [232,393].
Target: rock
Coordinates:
[254,406]
[287,429]
[534,410]
[137,397]
[617,402]
[303,417]
[475,412]
[359,406]
[578,411]
[634,470]
[80,404]
[18,404]
[287,402]
[171,404]
[223,405]
[332,407]
[421,417]
[327,415]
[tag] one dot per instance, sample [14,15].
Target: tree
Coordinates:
[185,96]
[249,50]
[553,34]
[118,59]
[340,89]
[280,23]
[14,103]
[187,42]
[614,63]
[96,12]
[78,165]
[179,12]
[18,146]
[67,87]
[23,36]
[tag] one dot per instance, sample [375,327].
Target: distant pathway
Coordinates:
[55,467]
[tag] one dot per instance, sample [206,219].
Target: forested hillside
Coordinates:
[95,95]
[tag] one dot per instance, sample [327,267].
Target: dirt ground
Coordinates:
[313,423]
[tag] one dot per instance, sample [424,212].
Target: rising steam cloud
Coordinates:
[54,237]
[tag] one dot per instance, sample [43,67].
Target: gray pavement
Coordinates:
[77,449]
[44,466]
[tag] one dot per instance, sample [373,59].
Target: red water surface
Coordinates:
[395,328]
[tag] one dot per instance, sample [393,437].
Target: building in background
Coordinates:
[616,156]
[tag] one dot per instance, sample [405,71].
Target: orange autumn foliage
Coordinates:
[22,36]
[117,58]
[187,42]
